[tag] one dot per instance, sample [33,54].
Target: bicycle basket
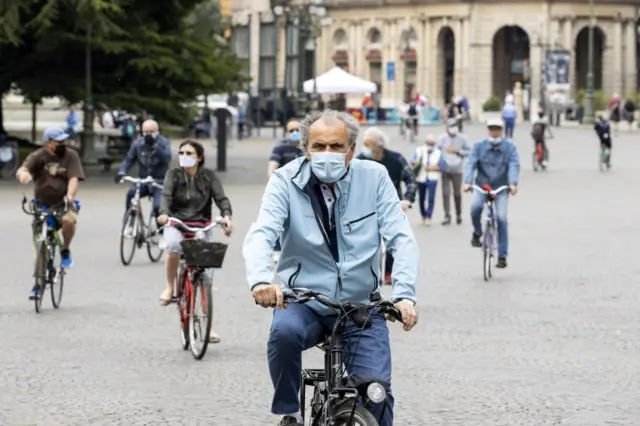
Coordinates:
[203,254]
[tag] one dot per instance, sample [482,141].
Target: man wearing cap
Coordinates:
[152,152]
[455,148]
[56,171]
[493,161]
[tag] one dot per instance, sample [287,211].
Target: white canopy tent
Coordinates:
[337,80]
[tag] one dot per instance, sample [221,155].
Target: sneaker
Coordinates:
[475,241]
[459,220]
[290,421]
[502,263]
[35,293]
[67,260]
[426,221]
[447,220]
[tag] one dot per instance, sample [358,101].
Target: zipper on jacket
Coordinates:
[358,220]
[294,276]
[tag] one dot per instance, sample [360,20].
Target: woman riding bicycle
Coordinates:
[187,195]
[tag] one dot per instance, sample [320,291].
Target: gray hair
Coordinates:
[352,125]
[377,136]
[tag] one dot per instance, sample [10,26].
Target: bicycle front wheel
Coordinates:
[56,274]
[153,239]
[40,275]
[200,318]
[361,417]
[128,235]
[487,254]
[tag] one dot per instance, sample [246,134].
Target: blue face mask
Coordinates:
[295,136]
[495,141]
[329,167]
[366,152]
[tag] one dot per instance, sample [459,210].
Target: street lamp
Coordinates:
[589,113]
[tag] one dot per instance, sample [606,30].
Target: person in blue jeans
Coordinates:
[426,163]
[493,161]
[152,152]
[509,115]
[330,211]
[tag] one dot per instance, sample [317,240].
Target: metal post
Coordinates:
[87,145]
[303,31]
[543,68]
[589,113]
[276,97]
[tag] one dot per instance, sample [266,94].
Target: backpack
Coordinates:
[129,128]
[413,111]
[537,132]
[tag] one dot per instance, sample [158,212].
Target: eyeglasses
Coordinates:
[187,153]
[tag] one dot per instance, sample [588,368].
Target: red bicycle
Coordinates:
[192,292]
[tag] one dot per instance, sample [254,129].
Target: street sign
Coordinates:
[391,71]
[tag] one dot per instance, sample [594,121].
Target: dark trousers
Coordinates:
[146,191]
[427,192]
[298,328]
[388,264]
[452,180]
[509,126]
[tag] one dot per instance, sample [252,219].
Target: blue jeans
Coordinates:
[427,192]
[298,328]
[509,125]
[146,191]
[500,212]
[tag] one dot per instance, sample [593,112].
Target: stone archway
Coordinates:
[445,68]
[581,52]
[511,50]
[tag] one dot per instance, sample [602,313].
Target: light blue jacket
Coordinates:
[367,207]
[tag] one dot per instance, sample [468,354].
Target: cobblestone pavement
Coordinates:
[552,340]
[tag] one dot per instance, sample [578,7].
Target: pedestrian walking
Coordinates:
[426,163]
[454,147]
[509,115]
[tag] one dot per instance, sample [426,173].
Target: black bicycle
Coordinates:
[48,271]
[336,396]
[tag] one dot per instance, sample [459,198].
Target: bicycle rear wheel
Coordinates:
[200,323]
[56,275]
[487,254]
[129,234]
[183,307]
[40,274]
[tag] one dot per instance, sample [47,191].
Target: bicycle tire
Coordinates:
[183,308]
[57,285]
[361,416]
[39,274]
[200,290]
[130,213]
[486,256]
[153,227]
[535,161]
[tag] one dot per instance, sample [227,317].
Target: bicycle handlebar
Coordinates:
[490,191]
[36,210]
[177,223]
[142,181]
[303,295]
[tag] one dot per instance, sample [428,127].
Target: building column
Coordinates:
[282,51]
[610,71]
[399,40]
[457,72]
[393,56]
[617,67]
[569,44]
[256,19]
[421,59]
[464,66]
[630,58]
[428,55]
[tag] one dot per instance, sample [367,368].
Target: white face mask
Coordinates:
[187,161]
[453,131]
[495,141]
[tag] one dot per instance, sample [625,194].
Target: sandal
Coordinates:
[166,297]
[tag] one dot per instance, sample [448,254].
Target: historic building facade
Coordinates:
[477,48]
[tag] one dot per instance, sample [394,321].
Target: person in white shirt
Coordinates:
[107,120]
[426,163]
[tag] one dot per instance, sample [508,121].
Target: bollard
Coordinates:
[222,115]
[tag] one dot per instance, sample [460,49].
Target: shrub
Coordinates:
[491,105]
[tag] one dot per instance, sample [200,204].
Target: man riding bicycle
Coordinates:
[493,161]
[603,130]
[56,172]
[152,152]
[330,211]
[539,131]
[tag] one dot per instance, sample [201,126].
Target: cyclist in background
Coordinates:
[188,194]
[284,152]
[539,132]
[412,117]
[493,161]
[152,152]
[56,172]
[603,130]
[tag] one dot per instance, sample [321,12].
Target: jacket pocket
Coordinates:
[292,279]
[351,222]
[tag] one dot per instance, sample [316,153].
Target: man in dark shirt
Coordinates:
[284,152]
[399,169]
